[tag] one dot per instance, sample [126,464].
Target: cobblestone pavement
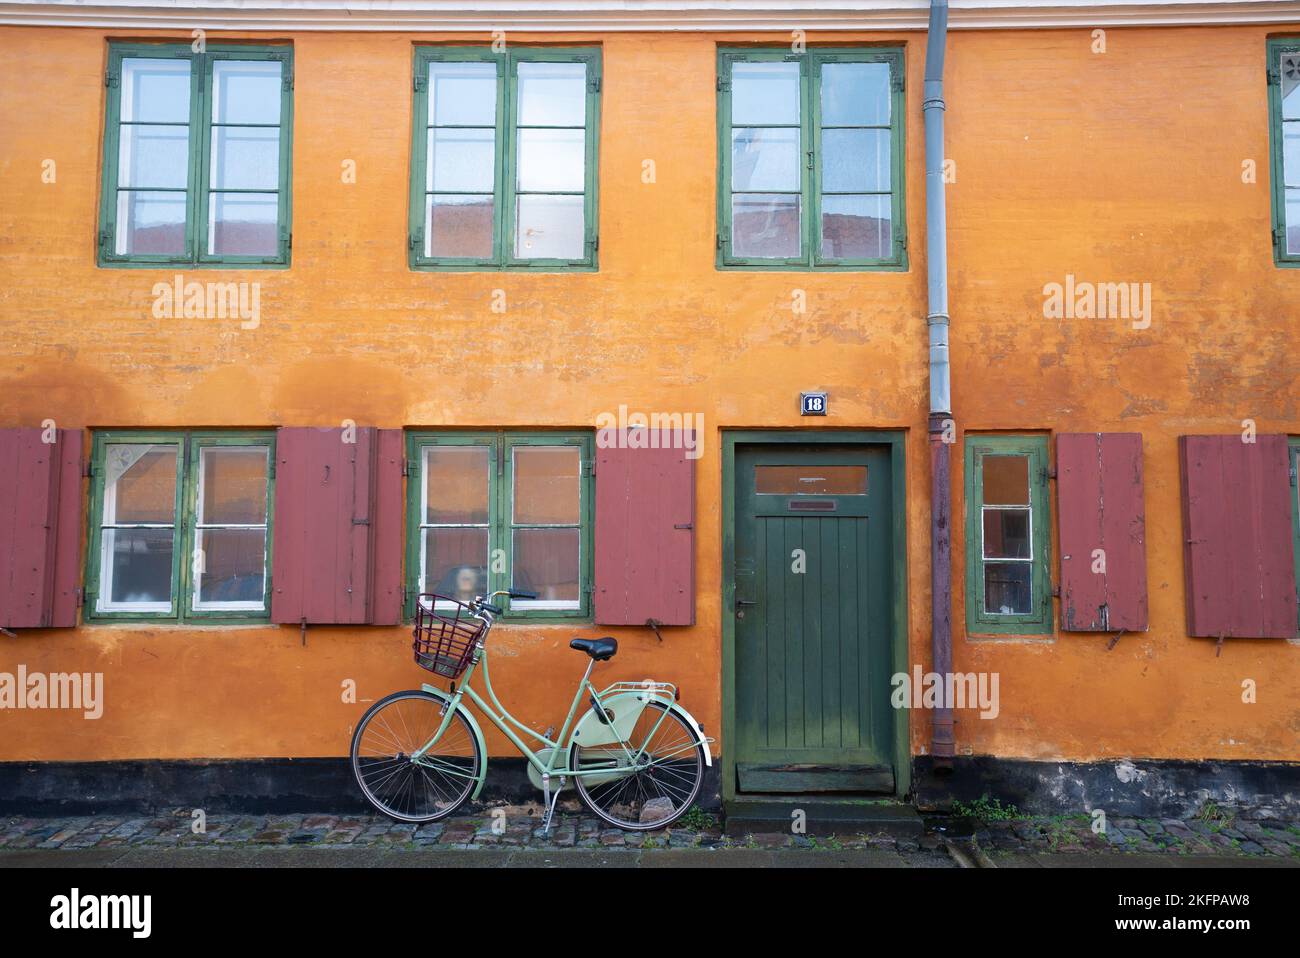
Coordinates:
[519,826]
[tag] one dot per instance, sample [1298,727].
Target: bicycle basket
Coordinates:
[445,634]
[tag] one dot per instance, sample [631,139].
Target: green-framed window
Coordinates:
[197,156]
[499,510]
[504,158]
[1008,583]
[810,159]
[1284,143]
[180,526]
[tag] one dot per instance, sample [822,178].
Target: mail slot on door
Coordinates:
[811,505]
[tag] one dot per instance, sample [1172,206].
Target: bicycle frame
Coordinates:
[511,727]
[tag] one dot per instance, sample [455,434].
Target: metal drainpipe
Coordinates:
[936,255]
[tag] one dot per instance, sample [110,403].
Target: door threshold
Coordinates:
[822,815]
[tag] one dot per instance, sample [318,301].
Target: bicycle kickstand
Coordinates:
[550,801]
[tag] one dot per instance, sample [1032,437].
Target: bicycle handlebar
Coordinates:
[482,603]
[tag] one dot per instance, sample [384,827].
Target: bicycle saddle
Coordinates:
[598,649]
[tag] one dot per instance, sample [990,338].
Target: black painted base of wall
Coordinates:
[255,786]
[1142,788]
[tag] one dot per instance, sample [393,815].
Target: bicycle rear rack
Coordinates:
[645,685]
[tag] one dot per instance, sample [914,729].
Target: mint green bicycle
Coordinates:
[636,757]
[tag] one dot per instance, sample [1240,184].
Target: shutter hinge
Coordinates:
[594,85]
[588,467]
[1279,237]
[88,468]
[594,243]
[110,79]
[103,239]
[590,588]
[288,79]
[896,81]
[722,239]
[1292,472]
[419,83]
[724,85]
[415,241]
[271,468]
[1272,76]
[410,467]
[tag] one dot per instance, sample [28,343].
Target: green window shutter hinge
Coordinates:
[594,85]
[724,85]
[588,467]
[420,82]
[103,239]
[722,239]
[410,467]
[288,78]
[1279,237]
[594,243]
[110,79]
[415,241]
[896,80]
[271,471]
[1274,77]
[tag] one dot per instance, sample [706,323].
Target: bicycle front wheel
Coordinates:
[659,788]
[401,787]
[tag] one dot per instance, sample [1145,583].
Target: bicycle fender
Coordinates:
[474,727]
[626,708]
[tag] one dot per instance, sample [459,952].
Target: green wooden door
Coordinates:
[813,586]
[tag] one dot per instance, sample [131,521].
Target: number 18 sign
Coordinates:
[812,404]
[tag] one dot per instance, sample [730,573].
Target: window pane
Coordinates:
[154,157]
[764,160]
[1291,153]
[547,483]
[765,225]
[155,91]
[1293,220]
[233,566]
[811,480]
[456,484]
[461,161]
[462,94]
[552,94]
[1006,480]
[855,94]
[234,485]
[856,227]
[138,565]
[549,227]
[246,91]
[552,160]
[243,224]
[855,161]
[1007,588]
[1290,86]
[1006,534]
[546,562]
[245,158]
[455,562]
[150,223]
[766,93]
[139,484]
[458,226]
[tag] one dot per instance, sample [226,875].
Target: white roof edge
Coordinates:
[630,15]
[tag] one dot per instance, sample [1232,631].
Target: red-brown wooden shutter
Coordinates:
[1099,507]
[337,552]
[387,522]
[40,528]
[645,536]
[1238,561]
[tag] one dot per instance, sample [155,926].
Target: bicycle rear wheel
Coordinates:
[425,791]
[655,794]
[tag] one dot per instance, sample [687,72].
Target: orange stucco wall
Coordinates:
[1122,166]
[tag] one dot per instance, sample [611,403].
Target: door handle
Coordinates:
[740,602]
